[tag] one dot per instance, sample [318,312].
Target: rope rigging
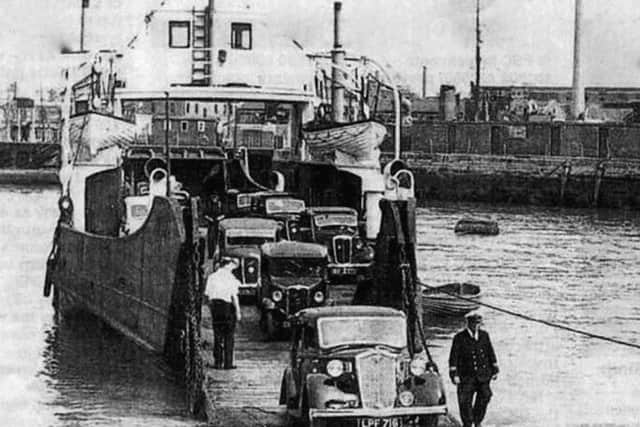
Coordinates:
[541,321]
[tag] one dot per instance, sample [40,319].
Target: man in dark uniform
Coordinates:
[472,365]
[222,290]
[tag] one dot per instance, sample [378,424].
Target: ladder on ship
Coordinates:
[201,51]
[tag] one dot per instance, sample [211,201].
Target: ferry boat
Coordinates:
[205,103]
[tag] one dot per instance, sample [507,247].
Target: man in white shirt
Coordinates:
[222,291]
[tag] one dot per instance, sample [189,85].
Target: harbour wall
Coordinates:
[563,164]
[29,163]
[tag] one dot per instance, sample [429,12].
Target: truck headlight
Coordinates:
[335,368]
[251,269]
[418,367]
[276,295]
[318,297]
[406,398]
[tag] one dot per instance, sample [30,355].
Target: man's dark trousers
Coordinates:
[223,319]
[470,411]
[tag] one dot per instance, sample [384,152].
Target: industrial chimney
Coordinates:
[578,83]
[337,73]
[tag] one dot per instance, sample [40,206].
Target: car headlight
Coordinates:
[318,297]
[335,368]
[359,245]
[406,398]
[418,367]
[276,295]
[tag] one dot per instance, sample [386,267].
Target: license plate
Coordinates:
[343,270]
[380,422]
[403,421]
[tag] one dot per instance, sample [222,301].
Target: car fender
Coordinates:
[319,393]
[288,393]
[429,391]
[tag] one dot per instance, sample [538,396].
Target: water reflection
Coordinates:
[100,378]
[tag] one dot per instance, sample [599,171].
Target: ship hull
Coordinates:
[129,282]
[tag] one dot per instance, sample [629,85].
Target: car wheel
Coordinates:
[429,421]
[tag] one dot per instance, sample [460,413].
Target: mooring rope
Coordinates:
[541,321]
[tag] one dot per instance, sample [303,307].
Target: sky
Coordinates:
[524,41]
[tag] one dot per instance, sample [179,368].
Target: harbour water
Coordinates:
[575,267]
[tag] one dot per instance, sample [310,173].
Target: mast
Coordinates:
[424,81]
[41,115]
[212,54]
[83,6]
[18,112]
[578,83]
[478,60]
[167,151]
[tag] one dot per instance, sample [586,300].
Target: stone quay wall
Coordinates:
[553,164]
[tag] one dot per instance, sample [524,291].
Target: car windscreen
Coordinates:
[297,267]
[365,330]
[275,205]
[248,240]
[335,220]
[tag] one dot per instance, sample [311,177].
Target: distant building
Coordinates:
[544,103]
[447,106]
[22,120]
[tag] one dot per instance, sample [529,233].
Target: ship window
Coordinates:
[240,36]
[82,107]
[184,126]
[200,126]
[179,34]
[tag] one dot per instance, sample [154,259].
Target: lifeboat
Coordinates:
[444,301]
[477,225]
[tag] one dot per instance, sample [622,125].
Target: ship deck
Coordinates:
[249,395]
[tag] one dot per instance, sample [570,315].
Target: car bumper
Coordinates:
[377,413]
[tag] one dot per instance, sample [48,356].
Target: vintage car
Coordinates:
[350,256]
[241,238]
[350,365]
[283,207]
[294,276]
